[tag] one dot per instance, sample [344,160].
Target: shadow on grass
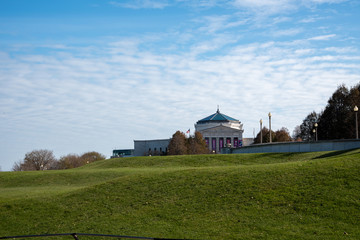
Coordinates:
[336,153]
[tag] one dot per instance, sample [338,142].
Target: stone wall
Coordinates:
[298,147]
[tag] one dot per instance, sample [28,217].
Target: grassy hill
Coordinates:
[245,196]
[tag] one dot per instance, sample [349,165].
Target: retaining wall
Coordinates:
[318,146]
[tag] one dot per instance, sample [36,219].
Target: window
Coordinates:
[213,144]
[221,144]
[228,142]
[236,142]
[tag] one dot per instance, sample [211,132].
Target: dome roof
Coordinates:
[217,117]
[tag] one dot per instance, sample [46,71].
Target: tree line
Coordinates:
[181,145]
[336,121]
[43,159]
[281,135]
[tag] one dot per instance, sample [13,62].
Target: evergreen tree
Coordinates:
[306,128]
[337,121]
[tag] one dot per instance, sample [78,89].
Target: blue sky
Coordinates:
[90,75]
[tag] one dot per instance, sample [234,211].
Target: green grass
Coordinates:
[245,196]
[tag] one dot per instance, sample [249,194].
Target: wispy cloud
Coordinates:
[322,37]
[311,19]
[287,32]
[138,4]
[127,93]
[270,7]
[263,7]
[147,83]
[66,97]
[281,19]
[266,7]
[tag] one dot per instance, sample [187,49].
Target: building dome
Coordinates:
[217,117]
[220,130]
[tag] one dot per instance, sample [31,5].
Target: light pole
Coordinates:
[316,132]
[356,122]
[260,130]
[270,125]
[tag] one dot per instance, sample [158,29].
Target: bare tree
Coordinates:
[17,166]
[36,160]
[296,134]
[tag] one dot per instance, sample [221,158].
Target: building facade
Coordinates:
[220,130]
[151,147]
[122,153]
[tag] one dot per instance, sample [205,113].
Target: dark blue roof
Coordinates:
[217,117]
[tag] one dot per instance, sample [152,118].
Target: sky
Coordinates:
[91,75]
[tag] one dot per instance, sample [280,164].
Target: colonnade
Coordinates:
[215,144]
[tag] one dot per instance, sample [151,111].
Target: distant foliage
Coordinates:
[45,160]
[306,128]
[180,145]
[197,145]
[296,134]
[281,135]
[265,136]
[36,160]
[74,160]
[90,157]
[177,145]
[69,161]
[337,120]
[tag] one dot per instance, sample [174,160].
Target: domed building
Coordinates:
[220,130]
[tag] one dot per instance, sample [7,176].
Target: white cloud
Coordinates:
[323,37]
[341,49]
[138,4]
[282,19]
[266,7]
[262,7]
[202,3]
[325,1]
[311,19]
[287,32]
[70,103]
[270,7]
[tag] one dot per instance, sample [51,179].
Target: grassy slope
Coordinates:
[247,196]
